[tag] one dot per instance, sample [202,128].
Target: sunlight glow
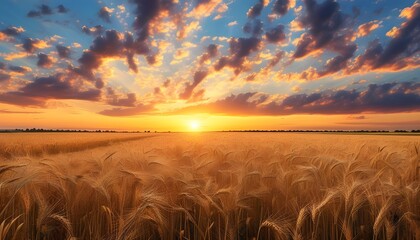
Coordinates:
[195,125]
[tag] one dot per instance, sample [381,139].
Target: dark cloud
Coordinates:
[33,13]
[255,10]
[211,52]
[281,7]
[18,69]
[112,44]
[37,92]
[63,52]
[255,28]
[13,31]
[327,30]
[147,11]
[113,99]
[42,10]
[62,9]
[89,61]
[96,30]
[44,61]
[2,65]
[276,34]
[240,49]
[105,14]
[131,111]
[30,45]
[383,98]
[199,76]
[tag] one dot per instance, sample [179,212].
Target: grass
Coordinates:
[216,186]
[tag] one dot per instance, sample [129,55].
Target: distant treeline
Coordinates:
[68,130]
[331,131]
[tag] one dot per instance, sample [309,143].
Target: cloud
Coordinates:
[41,89]
[44,61]
[255,27]
[96,30]
[399,53]
[62,9]
[211,52]
[117,100]
[204,8]
[231,24]
[366,28]
[281,7]
[13,31]
[63,52]
[327,30]
[30,45]
[199,76]
[131,111]
[42,10]
[19,69]
[276,34]
[111,44]
[239,51]
[255,10]
[377,98]
[105,13]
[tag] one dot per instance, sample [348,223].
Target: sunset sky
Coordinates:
[210,64]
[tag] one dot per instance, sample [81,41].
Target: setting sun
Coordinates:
[195,125]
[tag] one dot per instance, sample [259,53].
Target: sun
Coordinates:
[194,125]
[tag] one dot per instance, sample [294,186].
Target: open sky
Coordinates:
[210,64]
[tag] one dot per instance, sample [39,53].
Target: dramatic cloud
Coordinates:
[112,44]
[199,76]
[384,98]
[42,89]
[400,52]
[240,49]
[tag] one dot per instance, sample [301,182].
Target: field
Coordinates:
[209,186]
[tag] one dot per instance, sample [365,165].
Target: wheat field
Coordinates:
[209,186]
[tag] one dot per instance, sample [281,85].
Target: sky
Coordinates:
[174,65]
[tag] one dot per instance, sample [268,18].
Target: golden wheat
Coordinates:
[210,186]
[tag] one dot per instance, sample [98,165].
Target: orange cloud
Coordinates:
[366,28]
